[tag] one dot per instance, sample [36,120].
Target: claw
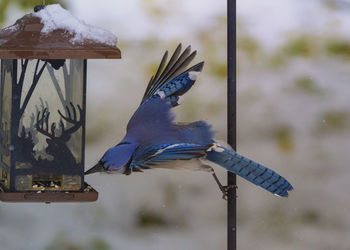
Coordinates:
[224,189]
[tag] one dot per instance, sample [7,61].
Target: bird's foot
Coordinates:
[224,189]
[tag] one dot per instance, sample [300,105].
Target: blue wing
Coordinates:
[173,89]
[198,132]
[149,156]
[152,123]
[174,80]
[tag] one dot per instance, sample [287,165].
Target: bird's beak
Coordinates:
[97,168]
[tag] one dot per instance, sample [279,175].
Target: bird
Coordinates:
[154,140]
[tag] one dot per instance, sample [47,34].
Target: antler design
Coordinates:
[42,124]
[43,127]
[73,120]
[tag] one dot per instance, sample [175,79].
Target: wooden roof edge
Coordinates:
[106,53]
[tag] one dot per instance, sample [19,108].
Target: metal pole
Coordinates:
[231,122]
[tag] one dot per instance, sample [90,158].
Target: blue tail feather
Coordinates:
[250,170]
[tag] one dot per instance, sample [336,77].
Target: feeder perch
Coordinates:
[43,105]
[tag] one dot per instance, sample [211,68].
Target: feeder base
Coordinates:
[89,195]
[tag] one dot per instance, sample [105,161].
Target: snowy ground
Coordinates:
[293,115]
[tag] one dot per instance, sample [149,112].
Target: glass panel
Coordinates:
[50,120]
[72,182]
[23,182]
[5,118]
[75,96]
[47,182]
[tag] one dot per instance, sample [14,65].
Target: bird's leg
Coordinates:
[224,189]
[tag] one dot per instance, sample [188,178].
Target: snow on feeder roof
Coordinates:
[53,33]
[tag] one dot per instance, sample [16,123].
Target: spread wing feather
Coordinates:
[147,157]
[170,75]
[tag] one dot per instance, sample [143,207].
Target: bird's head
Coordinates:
[115,160]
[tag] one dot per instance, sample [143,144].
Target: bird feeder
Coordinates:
[43,105]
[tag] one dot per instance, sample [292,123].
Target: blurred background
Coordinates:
[293,116]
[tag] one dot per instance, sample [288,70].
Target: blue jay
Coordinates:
[154,140]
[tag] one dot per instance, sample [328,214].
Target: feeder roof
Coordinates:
[53,33]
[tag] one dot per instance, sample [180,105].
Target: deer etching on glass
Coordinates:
[57,145]
[4,139]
